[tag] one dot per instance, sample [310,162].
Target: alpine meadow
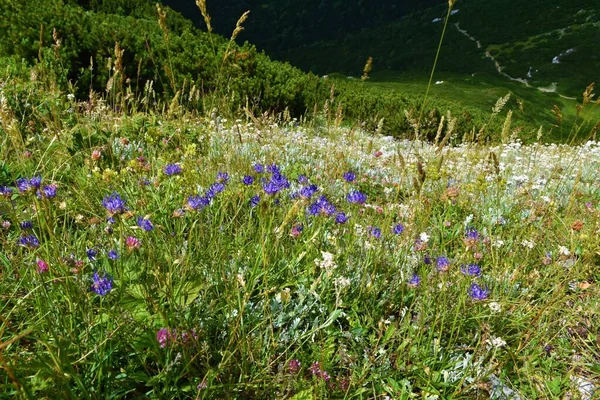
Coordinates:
[299,199]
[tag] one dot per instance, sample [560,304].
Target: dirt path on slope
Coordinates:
[499,68]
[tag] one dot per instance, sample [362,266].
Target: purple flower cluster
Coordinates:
[145,223]
[167,337]
[471,269]
[26,225]
[5,191]
[29,241]
[114,204]
[197,203]
[276,183]
[477,292]
[308,191]
[172,169]
[356,197]
[443,263]
[248,180]
[29,185]
[101,285]
[222,177]
[294,366]
[349,176]
[259,168]
[254,201]
[316,371]
[398,229]
[414,281]
[341,218]
[374,231]
[48,192]
[92,253]
[321,206]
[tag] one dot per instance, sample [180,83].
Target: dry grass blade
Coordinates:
[367,69]
[588,94]
[202,6]
[238,25]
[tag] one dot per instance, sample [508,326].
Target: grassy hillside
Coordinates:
[481,91]
[524,39]
[154,252]
[136,54]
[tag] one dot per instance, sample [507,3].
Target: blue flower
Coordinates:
[477,292]
[254,201]
[172,169]
[280,180]
[414,281]
[277,183]
[308,191]
[91,254]
[274,169]
[259,168]
[5,191]
[197,203]
[101,285]
[215,189]
[321,207]
[26,225]
[302,179]
[472,234]
[341,218]
[23,185]
[145,224]
[356,197]
[27,185]
[222,177]
[427,259]
[114,204]
[471,269]
[443,263]
[270,187]
[35,181]
[29,241]
[248,180]
[349,176]
[48,191]
[398,229]
[113,255]
[375,232]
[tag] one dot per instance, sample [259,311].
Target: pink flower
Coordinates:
[42,266]
[164,336]
[132,243]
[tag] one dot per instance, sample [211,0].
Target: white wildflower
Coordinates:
[496,342]
[530,244]
[342,282]
[468,220]
[562,250]
[498,243]
[327,263]
[495,307]
[424,237]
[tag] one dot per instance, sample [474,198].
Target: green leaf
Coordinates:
[5,260]
[303,395]
[187,292]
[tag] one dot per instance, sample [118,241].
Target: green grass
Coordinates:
[156,249]
[481,91]
[234,300]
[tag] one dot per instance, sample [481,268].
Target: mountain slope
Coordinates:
[543,44]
